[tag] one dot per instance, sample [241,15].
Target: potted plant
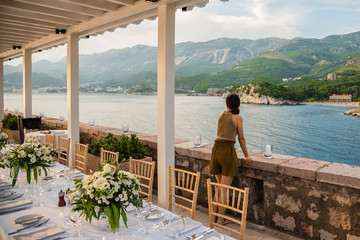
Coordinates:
[127,147]
[10,127]
[106,191]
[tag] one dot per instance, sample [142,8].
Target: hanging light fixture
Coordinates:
[60,31]
[154,1]
[184,9]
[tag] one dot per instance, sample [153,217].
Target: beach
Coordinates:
[348,104]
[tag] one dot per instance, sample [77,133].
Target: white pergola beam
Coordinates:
[166,98]
[123,2]
[1,89]
[32,21]
[73,92]
[37,16]
[101,5]
[24,27]
[27,83]
[26,6]
[66,6]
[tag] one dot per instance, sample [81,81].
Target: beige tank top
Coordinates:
[226,129]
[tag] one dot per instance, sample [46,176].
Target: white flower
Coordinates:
[22,154]
[99,183]
[107,168]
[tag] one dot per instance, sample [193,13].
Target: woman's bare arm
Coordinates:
[239,124]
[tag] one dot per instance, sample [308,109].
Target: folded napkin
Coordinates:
[40,234]
[174,229]
[21,203]
[4,185]
[57,132]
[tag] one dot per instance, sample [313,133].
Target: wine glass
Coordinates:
[74,221]
[125,128]
[176,227]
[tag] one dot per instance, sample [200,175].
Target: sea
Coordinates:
[309,131]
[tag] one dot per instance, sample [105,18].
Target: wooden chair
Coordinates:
[236,200]
[63,150]
[145,171]
[108,156]
[188,183]
[81,157]
[50,140]
[27,123]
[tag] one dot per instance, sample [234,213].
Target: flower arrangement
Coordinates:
[31,156]
[106,191]
[3,139]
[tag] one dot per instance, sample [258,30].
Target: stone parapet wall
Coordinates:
[310,198]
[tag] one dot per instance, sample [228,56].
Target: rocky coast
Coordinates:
[248,94]
[353,112]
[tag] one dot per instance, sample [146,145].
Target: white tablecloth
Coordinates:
[49,209]
[41,135]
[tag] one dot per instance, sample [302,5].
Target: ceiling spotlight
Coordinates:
[87,36]
[16,47]
[60,31]
[184,9]
[39,50]
[154,1]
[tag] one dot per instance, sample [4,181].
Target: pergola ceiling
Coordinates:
[40,24]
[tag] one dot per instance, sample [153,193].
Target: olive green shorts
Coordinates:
[223,159]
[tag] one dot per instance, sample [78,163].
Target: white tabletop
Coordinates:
[41,135]
[49,209]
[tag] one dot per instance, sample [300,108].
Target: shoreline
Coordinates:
[346,104]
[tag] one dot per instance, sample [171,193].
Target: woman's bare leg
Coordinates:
[226,180]
[217,193]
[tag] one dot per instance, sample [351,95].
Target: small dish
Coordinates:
[157,214]
[214,236]
[6,193]
[27,219]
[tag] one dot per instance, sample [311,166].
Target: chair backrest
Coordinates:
[188,183]
[81,157]
[50,140]
[108,156]
[236,200]
[28,123]
[63,150]
[145,171]
[31,123]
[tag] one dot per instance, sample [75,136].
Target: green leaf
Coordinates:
[35,173]
[116,213]
[28,175]
[123,215]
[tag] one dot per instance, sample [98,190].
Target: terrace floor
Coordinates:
[253,231]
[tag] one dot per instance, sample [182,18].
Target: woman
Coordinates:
[224,162]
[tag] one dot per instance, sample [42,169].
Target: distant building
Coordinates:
[214,92]
[331,76]
[340,98]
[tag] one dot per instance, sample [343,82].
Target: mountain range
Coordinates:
[200,65]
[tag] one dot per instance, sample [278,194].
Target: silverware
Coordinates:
[198,234]
[19,196]
[62,237]
[38,218]
[204,234]
[33,225]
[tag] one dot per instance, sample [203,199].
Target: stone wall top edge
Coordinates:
[310,169]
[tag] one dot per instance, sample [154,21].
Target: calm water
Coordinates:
[318,132]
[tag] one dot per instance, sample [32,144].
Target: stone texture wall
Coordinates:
[309,198]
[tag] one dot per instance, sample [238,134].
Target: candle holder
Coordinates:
[16,110]
[125,128]
[62,118]
[197,141]
[267,150]
[92,122]
[41,114]
[6,109]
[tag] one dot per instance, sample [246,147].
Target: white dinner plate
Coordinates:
[6,193]
[155,215]
[214,236]
[27,219]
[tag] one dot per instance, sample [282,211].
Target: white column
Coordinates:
[27,83]
[73,92]
[1,89]
[166,97]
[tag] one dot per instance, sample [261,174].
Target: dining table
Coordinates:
[42,134]
[41,200]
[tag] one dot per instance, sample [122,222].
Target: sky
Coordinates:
[243,19]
